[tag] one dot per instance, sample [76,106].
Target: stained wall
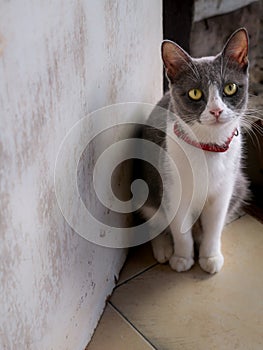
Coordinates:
[59,61]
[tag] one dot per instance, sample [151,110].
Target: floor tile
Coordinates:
[115,333]
[139,259]
[195,310]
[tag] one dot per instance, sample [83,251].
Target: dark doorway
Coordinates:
[177,23]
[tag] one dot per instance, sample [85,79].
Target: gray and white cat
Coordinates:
[207,100]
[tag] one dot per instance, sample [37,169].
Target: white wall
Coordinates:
[60,60]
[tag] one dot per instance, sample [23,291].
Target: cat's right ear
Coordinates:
[175,59]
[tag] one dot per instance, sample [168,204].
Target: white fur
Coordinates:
[221,179]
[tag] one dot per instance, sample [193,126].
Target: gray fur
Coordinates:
[196,73]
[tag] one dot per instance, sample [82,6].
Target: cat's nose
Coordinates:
[216,112]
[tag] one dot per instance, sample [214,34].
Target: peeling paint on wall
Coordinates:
[58,61]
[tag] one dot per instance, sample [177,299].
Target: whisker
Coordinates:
[253,130]
[254,138]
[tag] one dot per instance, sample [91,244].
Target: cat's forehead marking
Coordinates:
[213,86]
[214,99]
[213,90]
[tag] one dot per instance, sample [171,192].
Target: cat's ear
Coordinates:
[175,59]
[236,48]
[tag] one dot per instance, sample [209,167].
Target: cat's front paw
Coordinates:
[212,264]
[162,248]
[181,264]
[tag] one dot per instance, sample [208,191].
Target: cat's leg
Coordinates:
[213,218]
[183,256]
[162,246]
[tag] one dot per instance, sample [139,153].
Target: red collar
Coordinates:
[211,147]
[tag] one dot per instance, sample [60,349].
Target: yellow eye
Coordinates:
[230,89]
[195,94]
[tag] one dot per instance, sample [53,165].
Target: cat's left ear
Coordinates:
[236,48]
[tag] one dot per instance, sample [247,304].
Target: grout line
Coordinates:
[132,325]
[136,275]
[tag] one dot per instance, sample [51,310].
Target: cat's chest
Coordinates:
[221,170]
[198,168]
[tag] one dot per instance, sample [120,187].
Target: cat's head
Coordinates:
[209,91]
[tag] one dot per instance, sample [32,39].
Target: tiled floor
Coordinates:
[154,307]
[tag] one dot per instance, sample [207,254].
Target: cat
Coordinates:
[204,107]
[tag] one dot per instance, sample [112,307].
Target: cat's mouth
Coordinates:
[215,122]
[223,119]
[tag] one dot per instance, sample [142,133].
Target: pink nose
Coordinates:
[216,112]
